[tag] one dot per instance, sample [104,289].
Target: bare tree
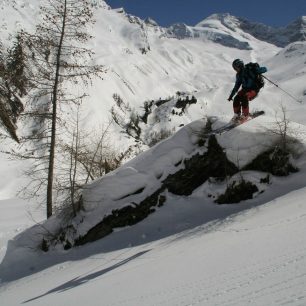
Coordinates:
[88,156]
[283,130]
[60,64]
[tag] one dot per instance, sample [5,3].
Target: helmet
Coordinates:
[238,63]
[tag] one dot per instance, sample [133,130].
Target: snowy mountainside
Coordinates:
[144,63]
[189,251]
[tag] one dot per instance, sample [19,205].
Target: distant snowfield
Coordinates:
[190,251]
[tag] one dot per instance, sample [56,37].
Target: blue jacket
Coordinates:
[247,81]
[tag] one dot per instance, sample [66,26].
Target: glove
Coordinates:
[229,99]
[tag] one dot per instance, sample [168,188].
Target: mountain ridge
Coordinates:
[279,36]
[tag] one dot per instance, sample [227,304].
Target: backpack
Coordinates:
[252,72]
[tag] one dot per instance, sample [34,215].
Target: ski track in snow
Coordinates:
[244,285]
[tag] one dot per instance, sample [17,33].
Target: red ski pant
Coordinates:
[241,101]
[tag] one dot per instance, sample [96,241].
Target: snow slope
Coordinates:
[255,257]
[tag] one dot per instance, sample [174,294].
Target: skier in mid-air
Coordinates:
[249,77]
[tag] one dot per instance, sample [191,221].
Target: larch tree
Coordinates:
[60,65]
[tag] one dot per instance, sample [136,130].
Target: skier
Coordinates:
[249,76]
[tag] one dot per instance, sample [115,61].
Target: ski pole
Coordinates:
[290,95]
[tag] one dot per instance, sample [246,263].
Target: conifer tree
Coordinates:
[16,67]
[13,84]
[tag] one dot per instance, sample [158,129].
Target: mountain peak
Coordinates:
[213,28]
[150,21]
[225,19]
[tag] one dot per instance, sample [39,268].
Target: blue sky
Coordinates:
[166,12]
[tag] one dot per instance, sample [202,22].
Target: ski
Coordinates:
[231,125]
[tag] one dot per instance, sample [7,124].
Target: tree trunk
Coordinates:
[54,116]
